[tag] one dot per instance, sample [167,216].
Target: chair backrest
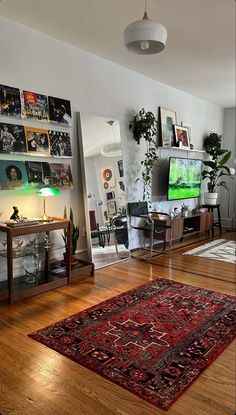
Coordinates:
[92,218]
[137,208]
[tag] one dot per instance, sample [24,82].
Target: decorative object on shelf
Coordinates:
[145,37]
[167,120]
[15,214]
[190,131]
[181,136]
[10,102]
[47,243]
[217,167]
[184,209]
[46,192]
[31,267]
[18,244]
[143,126]
[74,237]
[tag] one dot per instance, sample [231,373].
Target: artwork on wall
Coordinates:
[61,175]
[111,195]
[59,110]
[122,186]
[120,168]
[108,177]
[190,131]
[34,106]
[39,174]
[12,138]
[181,136]
[111,208]
[167,121]
[60,145]
[37,141]
[12,175]
[10,102]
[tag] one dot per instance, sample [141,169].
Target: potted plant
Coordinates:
[144,125]
[216,167]
[74,237]
[184,209]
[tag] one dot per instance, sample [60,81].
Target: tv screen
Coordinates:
[184,181]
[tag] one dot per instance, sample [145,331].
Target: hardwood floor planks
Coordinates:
[35,380]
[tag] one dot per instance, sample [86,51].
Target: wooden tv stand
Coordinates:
[183,226]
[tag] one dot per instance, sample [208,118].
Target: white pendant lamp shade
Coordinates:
[145,36]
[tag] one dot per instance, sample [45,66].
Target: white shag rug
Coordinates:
[219,250]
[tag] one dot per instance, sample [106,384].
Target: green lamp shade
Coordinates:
[49,191]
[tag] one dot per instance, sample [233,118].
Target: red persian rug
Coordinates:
[154,340]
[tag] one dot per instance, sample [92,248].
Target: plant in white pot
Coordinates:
[217,168]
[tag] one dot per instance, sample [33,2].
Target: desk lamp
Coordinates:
[46,192]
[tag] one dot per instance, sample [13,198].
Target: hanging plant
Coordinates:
[144,125]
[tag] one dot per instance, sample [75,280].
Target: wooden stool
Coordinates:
[211,208]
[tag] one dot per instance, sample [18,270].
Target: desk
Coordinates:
[211,208]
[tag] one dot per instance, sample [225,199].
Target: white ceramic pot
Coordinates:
[210,198]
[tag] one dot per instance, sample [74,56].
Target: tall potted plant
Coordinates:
[74,237]
[216,167]
[144,125]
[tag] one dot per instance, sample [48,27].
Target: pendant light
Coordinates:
[112,149]
[145,37]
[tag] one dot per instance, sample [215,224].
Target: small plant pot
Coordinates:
[74,261]
[184,213]
[210,198]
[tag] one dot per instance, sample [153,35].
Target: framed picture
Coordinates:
[37,141]
[108,178]
[111,208]
[12,138]
[167,121]
[190,131]
[120,168]
[110,195]
[181,136]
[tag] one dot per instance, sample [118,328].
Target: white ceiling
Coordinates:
[200,53]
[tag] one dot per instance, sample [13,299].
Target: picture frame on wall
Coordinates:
[190,131]
[167,120]
[111,208]
[110,195]
[181,136]
[120,168]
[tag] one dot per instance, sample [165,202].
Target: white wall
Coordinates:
[228,199]
[37,62]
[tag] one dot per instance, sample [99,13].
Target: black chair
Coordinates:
[120,232]
[156,226]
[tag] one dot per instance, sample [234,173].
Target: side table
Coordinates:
[211,208]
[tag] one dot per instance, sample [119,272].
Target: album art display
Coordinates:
[61,176]
[12,138]
[60,145]
[59,110]
[34,174]
[108,178]
[13,175]
[34,106]
[10,102]
[37,141]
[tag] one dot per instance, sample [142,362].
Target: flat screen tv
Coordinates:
[184,179]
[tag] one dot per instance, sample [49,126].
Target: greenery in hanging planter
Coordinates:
[144,125]
[217,165]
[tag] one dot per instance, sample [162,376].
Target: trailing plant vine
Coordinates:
[144,125]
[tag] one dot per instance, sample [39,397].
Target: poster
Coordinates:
[60,145]
[120,168]
[12,175]
[37,141]
[108,178]
[34,106]
[10,102]
[39,174]
[61,176]
[59,110]
[12,138]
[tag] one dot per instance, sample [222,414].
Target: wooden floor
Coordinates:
[35,380]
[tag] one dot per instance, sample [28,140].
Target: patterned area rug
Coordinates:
[154,340]
[220,250]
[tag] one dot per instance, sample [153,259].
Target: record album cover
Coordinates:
[10,102]
[39,174]
[12,175]
[37,141]
[12,138]
[34,106]
[59,110]
[61,175]
[60,145]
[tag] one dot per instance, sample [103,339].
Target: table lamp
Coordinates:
[46,192]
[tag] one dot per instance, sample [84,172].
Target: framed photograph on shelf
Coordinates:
[111,208]
[167,121]
[181,136]
[190,131]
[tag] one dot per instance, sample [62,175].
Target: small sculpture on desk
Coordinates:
[15,215]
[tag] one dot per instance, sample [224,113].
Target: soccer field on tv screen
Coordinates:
[174,194]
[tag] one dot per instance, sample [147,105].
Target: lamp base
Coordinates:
[45,218]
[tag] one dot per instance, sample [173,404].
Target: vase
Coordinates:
[210,198]
[31,267]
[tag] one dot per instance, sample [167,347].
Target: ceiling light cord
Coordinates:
[145,16]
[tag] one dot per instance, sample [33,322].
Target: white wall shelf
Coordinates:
[181,149]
